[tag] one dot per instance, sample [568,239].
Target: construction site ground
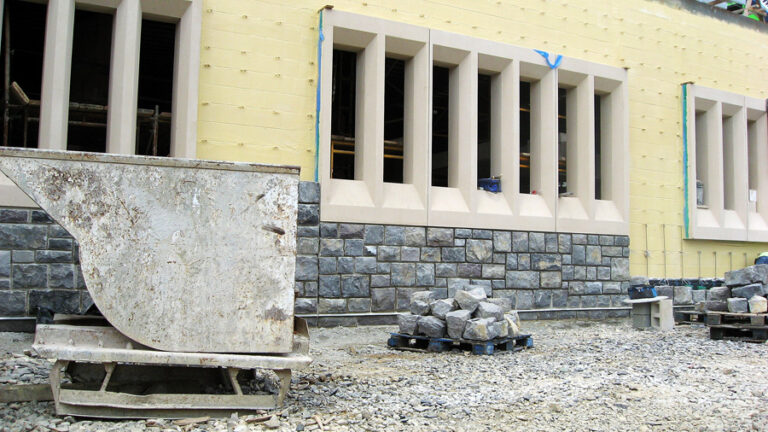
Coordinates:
[580,376]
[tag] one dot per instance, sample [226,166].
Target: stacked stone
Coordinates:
[39,265]
[352,268]
[744,292]
[470,315]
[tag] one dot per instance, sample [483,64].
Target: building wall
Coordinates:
[258,82]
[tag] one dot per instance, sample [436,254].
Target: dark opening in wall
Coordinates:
[22,71]
[598,159]
[440,122]
[89,85]
[343,114]
[525,137]
[394,125]
[562,141]
[153,124]
[484,126]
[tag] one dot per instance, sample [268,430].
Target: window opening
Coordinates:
[598,143]
[440,122]
[22,70]
[89,85]
[343,115]
[754,162]
[155,96]
[562,141]
[484,126]
[729,202]
[702,160]
[394,124]
[525,137]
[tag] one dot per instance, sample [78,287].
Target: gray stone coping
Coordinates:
[148,160]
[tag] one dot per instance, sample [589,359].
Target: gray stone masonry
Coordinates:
[383,264]
[350,268]
[39,265]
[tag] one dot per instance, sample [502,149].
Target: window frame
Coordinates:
[123,80]
[727,213]
[369,200]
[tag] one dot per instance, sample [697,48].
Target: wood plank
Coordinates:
[165,401]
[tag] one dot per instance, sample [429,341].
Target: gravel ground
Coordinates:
[581,376]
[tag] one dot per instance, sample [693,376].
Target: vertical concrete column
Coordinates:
[462,130]
[580,163]
[124,78]
[369,116]
[735,176]
[614,159]
[186,69]
[505,129]
[57,62]
[544,138]
[417,110]
[710,132]
[758,151]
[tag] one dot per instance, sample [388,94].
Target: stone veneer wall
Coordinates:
[349,274]
[361,269]
[39,265]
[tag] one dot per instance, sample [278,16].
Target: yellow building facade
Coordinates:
[259,78]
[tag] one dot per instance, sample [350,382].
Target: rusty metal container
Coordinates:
[178,255]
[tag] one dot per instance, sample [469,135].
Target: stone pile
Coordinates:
[470,314]
[744,292]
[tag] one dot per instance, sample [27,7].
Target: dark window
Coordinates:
[525,137]
[484,126]
[22,70]
[598,160]
[343,115]
[158,41]
[562,141]
[89,85]
[394,125]
[440,121]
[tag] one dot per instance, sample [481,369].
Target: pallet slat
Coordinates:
[423,343]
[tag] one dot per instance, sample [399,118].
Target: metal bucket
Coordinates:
[178,255]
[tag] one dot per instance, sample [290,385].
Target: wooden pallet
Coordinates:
[423,343]
[690,317]
[743,332]
[717,318]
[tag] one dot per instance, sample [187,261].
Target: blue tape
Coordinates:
[551,65]
[320,40]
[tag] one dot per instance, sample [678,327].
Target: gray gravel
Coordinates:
[581,376]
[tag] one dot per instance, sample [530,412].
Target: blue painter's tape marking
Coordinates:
[551,65]
[320,40]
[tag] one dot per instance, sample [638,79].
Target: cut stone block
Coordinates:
[503,302]
[408,323]
[738,305]
[424,296]
[714,306]
[512,326]
[683,295]
[718,293]
[419,307]
[747,292]
[748,275]
[489,310]
[758,304]
[468,300]
[432,326]
[441,307]
[480,329]
[456,321]
[666,291]
[478,290]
